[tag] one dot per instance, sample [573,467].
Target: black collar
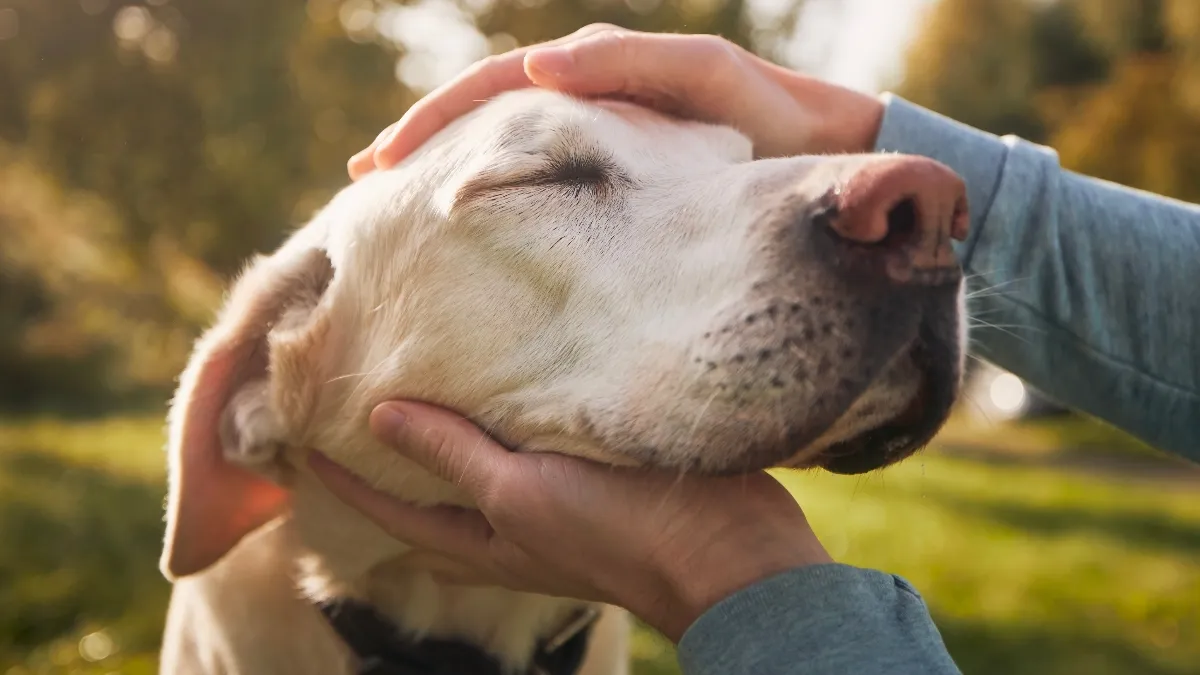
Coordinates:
[383,650]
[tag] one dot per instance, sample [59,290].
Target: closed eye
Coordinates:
[580,172]
[592,171]
[577,170]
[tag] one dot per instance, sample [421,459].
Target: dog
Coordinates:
[584,277]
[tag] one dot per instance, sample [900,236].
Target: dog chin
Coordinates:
[905,433]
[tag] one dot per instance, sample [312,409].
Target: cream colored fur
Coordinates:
[571,276]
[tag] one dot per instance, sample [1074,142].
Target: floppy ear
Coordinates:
[223,410]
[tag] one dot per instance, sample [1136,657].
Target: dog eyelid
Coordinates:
[577,170]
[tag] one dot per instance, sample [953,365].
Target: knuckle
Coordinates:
[490,500]
[721,60]
[483,65]
[596,28]
[715,48]
[614,39]
[506,494]
[619,47]
[622,38]
[506,510]
[441,450]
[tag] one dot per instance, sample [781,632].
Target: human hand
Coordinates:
[699,77]
[665,546]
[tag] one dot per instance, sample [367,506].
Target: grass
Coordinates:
[1029,565]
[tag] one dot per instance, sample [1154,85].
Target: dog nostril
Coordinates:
[901,221]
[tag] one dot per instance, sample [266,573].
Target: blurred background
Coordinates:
[148,147]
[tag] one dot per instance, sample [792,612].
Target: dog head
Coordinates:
[587,278]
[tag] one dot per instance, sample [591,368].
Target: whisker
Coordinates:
[670,491]
[1005,329]
[978,359]
[978,407]
[987,294]
[700,416]
[981,274]
[1022,326]
[995,286]
[987,312]
[479,444]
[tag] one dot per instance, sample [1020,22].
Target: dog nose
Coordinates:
[903,212]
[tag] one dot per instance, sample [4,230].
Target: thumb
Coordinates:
[443,443]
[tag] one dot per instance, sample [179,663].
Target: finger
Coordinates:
[472,88]
[637,64]
[452,100]
[363,162]
[443,443]
[452,531]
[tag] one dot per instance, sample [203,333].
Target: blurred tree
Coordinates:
[974,60]
[169,139]
[72,307]
[1113,85]
[194,119]
[199,127]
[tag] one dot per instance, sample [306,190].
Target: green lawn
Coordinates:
[1028,569]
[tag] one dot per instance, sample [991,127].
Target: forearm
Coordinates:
[821,619]
[1091,287]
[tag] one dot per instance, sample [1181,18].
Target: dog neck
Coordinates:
[342,555]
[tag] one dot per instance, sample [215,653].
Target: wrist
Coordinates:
[852,119]
[848,121]
[694,583]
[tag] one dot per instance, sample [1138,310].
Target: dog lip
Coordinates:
[878,447]
[905,433]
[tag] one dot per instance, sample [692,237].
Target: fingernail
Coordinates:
[388,422]
[355,166]
[550,60]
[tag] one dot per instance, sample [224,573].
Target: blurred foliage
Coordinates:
[147,148]
[1029,564]
[1113,85]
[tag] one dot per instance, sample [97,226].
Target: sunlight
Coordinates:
[1007,393]
[855,43]
[439,39]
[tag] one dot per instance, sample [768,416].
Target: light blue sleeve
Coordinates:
[821,620]
[1094,287]
[1097,290]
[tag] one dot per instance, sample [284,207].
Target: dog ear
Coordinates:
[222,419]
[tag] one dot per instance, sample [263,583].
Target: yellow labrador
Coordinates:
[588,278]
